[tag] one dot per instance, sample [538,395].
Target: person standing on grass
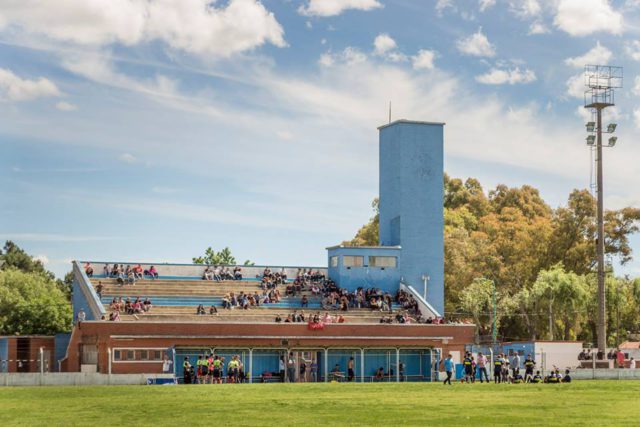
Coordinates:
[291,368]
[314,371]
[281,368]
[350,372]
[448,368]
[497,369]
[515,365]
[468,367]
[529,366]
[482,366]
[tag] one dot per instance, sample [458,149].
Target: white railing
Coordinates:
[426,309]
[97,309]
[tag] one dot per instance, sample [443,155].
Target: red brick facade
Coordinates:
[108,335]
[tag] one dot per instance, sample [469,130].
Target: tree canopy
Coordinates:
[541,259]
[224,257]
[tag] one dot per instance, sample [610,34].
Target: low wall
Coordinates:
[75,378]
[606,374]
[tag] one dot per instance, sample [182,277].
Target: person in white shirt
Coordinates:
[515,364]
[632,363]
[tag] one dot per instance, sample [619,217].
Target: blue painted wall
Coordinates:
[61,342]
[411,201]
[4,354]
[80,302]
[387,279]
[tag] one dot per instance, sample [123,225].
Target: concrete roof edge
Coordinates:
[363,247]
[415,122]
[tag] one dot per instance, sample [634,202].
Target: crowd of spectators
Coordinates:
[219,273]
[137,306]
[129,274]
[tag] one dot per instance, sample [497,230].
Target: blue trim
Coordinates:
[272,266]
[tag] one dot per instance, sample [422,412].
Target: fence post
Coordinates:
[326,364]
[397,365]
[362,365]
[250,366]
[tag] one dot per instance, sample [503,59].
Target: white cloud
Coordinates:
[525,9]
[127,158]
[336,7]
[442,5]
[632,49]
[44,260]
[385,46]
[383,43]
[575,86]
[195,26]
[15,88]
[497,76]
[636,117]
[538,27]
[584,17]
[476,45]
[349,56]
[285,135]
[598,55]
[423,60]
[486,4]
[66,106]
[636,86]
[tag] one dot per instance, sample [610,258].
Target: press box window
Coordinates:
[334,261]
[383,261]
[352,261]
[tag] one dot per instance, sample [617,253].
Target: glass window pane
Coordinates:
[352,261]
[383,261]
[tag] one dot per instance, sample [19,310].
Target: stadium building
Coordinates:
[409,259]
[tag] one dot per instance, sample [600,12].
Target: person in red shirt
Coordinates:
[620,358]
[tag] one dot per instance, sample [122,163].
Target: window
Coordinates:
[352,261]
[333,261]
[137,355]
[383,261]
[144,354]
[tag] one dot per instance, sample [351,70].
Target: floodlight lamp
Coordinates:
[591,126]
[612,141]
[612,127]
[591,139]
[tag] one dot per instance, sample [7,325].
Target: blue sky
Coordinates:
[152,129]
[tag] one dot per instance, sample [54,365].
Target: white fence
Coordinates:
[606,374]
[75,378]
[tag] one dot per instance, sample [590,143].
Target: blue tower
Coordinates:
[411,202]
[411,218]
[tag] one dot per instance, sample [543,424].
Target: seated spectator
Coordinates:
[146,305]
[237,273]
[340,319]
[379,376]
[278,318]
[213,310]
[151,272]
[226,302]
[217,274]
[138,272]
[99,289]
[208,274]
[304,302]
[81,316]
[131,277]
[88,269]
[537,378]
[200,310]
[137,306]
[336,374]
[567,377]
[128,307]
[106,270]
[114,316]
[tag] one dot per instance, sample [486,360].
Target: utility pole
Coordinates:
[494,331]
[601,80]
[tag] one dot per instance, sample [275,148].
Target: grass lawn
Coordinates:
[584,403]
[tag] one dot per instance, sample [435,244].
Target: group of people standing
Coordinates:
[210,369]
[504,370]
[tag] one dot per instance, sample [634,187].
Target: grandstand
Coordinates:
[401,279]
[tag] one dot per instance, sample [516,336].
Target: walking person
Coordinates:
[350,372]
[448,368]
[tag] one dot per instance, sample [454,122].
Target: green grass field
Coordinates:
[584,403]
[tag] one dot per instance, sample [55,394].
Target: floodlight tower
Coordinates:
[600,80]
